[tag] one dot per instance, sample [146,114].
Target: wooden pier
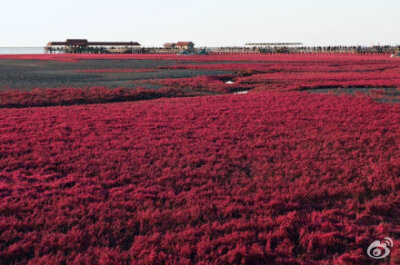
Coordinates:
[187,47]
[84,46]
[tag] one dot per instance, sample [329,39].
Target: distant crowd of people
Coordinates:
[351,49]
[306,49]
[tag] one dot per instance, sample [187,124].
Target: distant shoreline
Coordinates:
[21,50]
[28,47]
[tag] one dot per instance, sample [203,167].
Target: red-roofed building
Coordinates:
[185,45]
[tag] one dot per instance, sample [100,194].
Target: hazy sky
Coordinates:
[206,22]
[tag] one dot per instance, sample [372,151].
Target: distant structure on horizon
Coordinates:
[188,48]
[84,46]
[180,45]
[169,45]
[185,45]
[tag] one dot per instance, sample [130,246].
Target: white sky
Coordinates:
[206,22]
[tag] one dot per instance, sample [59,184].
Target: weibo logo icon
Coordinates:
[380,249]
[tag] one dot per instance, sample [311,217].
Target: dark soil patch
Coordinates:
[387,94]
[29,74]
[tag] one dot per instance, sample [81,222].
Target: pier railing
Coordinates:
[230,50]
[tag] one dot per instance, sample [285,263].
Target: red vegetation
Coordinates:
[211,84]
[263,178]
[276,177]
[294,75]
[73,96]
[259,73]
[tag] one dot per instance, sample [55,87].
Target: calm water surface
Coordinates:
[21,50]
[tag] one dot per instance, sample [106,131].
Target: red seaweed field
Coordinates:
[256,73]
[192,173]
